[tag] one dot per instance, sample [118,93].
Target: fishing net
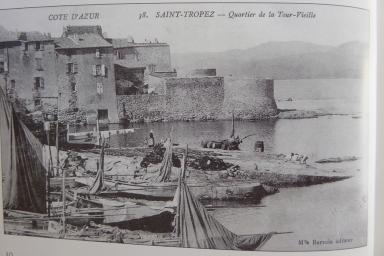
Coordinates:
[198,229]
[166,165]
[21,162]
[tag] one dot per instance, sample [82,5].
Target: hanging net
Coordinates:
[24,175]
[196,228]
[98,183]
[166,165]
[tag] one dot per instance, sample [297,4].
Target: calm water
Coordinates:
[318,138]
[328,211]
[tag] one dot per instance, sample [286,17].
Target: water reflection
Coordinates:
[192,133]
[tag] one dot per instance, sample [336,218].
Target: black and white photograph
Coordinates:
[229,126]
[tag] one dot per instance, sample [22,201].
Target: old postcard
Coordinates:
[231,126]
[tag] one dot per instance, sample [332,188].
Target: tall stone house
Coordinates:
[82,67]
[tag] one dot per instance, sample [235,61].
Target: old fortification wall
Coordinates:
[203,72]
[185,99]
[203,98]
[147,107]
[249,98]
[194,98]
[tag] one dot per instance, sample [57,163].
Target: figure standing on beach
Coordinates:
[151,140]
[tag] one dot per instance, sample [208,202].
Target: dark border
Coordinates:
[179,3]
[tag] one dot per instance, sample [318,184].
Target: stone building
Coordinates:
[135,62]
[27,69]
[85,75]
[113,79]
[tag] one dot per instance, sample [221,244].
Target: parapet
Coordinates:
[203,72]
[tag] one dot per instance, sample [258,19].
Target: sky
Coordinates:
[331,26]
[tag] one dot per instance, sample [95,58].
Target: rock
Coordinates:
[337,159]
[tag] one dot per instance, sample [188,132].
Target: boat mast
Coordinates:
[57,136]
[47,127]
[233,126]
[181,179]
[63,214]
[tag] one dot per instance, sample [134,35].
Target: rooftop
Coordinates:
[163,74]
[124,43]
[71,30]
[85,40]
[25,36]
[128,64]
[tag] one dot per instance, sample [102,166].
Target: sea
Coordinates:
[319,217]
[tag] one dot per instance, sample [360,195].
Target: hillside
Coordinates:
[282,60]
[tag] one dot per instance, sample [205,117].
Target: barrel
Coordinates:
[259,146]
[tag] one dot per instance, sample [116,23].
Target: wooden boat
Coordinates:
[225,190]
[161,187]
[126,215]
[94,137]
[232,143]
[227,144]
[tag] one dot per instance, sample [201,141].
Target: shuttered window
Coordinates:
[98,53]
[99,88]
[74,87]
[72,68]
[75,68]
[103,70]
[99,70]
[94,71]
[39,65]
[38,82]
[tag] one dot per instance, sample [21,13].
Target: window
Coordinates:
[98,53]
[72,68]
[73,87]
[37,46]
[37,102]
[119,55]
[25,46]
[39,65]
[99,70]
[102,114]
[99,88]
[3,66]
[13,84]
[152,68]
[38,83]
[2,51]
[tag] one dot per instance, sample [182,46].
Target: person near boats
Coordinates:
[151,140]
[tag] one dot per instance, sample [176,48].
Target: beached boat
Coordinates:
[161,187]
[230,191]
[232,143]
[94,137]
[127,215]
[196,228]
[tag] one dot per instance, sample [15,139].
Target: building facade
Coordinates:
[88,77]
[84,69]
